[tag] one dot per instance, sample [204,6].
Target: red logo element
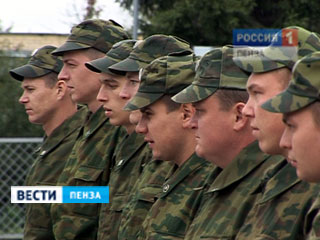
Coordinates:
[289,37]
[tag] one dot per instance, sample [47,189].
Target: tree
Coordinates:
[210,22]
[85,10]
[92,10]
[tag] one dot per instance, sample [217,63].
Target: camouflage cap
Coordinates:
[152,47]
[41,63]
[118,52]
[216,70]
[304,88]
[274,57]
[164,76]
[95,33]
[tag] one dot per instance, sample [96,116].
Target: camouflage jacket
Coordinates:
[172,213]
[45,170]
[312,223]
[282,210]
[231,195]
[146,191]
[130,157]
[88,165]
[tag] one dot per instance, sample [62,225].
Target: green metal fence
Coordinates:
[16,156]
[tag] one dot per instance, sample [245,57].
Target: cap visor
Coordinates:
[28,71]
[193,93]
[100,65]
[128,65]
[141,100]
[69,46]
[286,102]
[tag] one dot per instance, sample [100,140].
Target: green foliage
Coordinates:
[210,22]
[13,119]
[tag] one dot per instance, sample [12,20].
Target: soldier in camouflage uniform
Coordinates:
[281,211]
[218,95]
[155,172]
[299,104]
[90,160]
[133,153]
[171,214]
[58,115]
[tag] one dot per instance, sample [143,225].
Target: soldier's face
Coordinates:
[113,102]
[130,89]
[267,127]
[84,84]
[213,130]
[162,131]
[301,137]
[131,85]
[40,101]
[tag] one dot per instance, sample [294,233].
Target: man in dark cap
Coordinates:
[47,102]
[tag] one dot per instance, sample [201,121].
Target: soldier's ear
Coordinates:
[187,113]
[61,89]
[239,120]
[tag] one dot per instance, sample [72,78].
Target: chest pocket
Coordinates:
[88,176]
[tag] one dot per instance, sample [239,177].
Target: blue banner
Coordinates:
[58,194]
[256,37]
[97,194]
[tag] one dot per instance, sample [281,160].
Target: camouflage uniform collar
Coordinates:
[64,130]
[246,161]
[283,180]
[187,168]
[128,147]
[95,121]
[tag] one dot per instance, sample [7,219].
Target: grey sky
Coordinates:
[54,16]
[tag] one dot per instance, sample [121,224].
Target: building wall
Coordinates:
[28,42]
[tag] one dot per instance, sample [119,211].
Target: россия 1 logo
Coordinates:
[57,194]
[264,37]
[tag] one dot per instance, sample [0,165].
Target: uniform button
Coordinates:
[43,153]
[88,133]
[165,188]
[120,162]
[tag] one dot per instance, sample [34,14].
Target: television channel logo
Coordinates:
[59,194]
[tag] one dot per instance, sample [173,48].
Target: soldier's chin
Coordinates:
[34,120]
[115,121]
[199,151]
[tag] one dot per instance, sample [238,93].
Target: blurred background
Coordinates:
[30,24]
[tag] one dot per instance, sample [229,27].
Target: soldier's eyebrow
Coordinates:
[65,60]
[252,87]
[26,85]
[108,80]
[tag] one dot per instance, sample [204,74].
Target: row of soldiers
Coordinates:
[211,147]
